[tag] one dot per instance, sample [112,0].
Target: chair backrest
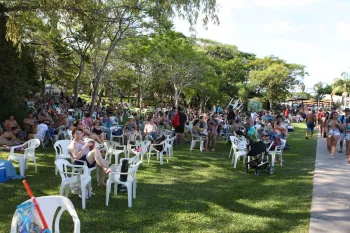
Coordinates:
[144,146]
[49,206]
[132,161]
[33,143]
[65,169]
[61,147]
[70,134]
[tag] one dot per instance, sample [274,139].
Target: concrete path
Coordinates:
[330,211]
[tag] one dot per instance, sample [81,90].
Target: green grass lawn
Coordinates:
[194,192]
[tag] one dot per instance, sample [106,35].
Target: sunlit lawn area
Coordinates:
[194,192]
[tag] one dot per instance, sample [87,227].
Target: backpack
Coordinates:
[176,120]
[117,132]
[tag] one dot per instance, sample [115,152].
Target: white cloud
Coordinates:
[283,27]
[343,31]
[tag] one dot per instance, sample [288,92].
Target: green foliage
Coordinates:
[321,89]
[274,78]
[18,71]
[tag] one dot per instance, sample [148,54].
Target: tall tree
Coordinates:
[274,78]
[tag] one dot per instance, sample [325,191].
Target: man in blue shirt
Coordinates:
[342,119]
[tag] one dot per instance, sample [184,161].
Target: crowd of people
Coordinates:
[334,126]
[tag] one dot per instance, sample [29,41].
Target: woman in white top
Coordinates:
[151,128]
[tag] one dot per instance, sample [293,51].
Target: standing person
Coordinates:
[310,123]
[347,138]
[343,120]
[212,131]
[180,130]
[332,127]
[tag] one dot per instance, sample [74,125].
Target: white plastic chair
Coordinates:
[144,145]
[49,206]
[61,150]
[241,144]
[70,134]
[70,175]
[42,139]
[130,183]
[278,151]
[111,136]
[194,141]
[29,153]
[171,148]
[160,153]
[237,153]
[114,148]
[114,120]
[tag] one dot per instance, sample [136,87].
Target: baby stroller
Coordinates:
[259,164]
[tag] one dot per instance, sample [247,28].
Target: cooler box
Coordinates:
[290,128]
[3,177]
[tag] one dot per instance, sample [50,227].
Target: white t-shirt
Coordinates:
[41,130]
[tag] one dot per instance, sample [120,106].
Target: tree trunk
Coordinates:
[176,96]
[43,74]
[77,80]
[101,70]
[100,97]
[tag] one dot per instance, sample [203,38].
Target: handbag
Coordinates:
[324,135]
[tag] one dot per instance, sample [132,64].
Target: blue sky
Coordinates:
[315,33]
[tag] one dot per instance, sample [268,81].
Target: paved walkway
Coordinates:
[330,211]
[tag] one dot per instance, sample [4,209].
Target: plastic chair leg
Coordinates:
[108,191]
[134,189]
[129,195]
[236,158]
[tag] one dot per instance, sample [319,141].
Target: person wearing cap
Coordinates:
[343,120]
[310,123]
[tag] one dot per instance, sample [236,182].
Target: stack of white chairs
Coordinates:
[238,149]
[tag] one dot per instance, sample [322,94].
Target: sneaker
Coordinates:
[306,137]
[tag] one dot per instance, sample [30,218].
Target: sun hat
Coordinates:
[131,117]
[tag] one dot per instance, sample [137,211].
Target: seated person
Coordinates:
[197,132]
[280,131]
[96,129]
[238,126]
[41,130]
[45,117]
[130,125]
[62,120]
[11,123]
[8,138]
[29,123]
[87,121]
[87,133]
[87,152]
[151,128]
